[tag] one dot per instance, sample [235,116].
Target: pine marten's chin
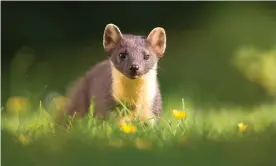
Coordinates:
[133,77]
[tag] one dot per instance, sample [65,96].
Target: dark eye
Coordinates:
[122,55]
[146,57]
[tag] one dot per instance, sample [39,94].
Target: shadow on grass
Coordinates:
[250,151]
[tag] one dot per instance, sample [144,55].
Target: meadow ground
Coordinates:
[184,137]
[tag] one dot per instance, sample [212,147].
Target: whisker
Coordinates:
[155,69]
[161,68]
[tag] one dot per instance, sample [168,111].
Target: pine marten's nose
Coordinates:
[134,68]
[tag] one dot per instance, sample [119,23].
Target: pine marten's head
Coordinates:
[134,55]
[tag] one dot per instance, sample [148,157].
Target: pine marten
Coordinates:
[129,75]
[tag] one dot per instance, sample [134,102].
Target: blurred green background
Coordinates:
[47,45]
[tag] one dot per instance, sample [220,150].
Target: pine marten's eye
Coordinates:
[122,55]
[146,56]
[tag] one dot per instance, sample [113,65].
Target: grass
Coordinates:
[209,137]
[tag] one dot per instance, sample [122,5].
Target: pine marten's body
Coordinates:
[129,75]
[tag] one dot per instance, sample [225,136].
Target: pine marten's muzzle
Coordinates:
[134,71]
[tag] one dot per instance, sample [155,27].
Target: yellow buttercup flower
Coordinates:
[23,140]
[142,144]
[242,127]
[18,105]
[128,128]
[179,114]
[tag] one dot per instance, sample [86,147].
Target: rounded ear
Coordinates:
[112,36]
[157,39]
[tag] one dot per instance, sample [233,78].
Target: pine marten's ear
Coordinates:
[112,36]
[157,39]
